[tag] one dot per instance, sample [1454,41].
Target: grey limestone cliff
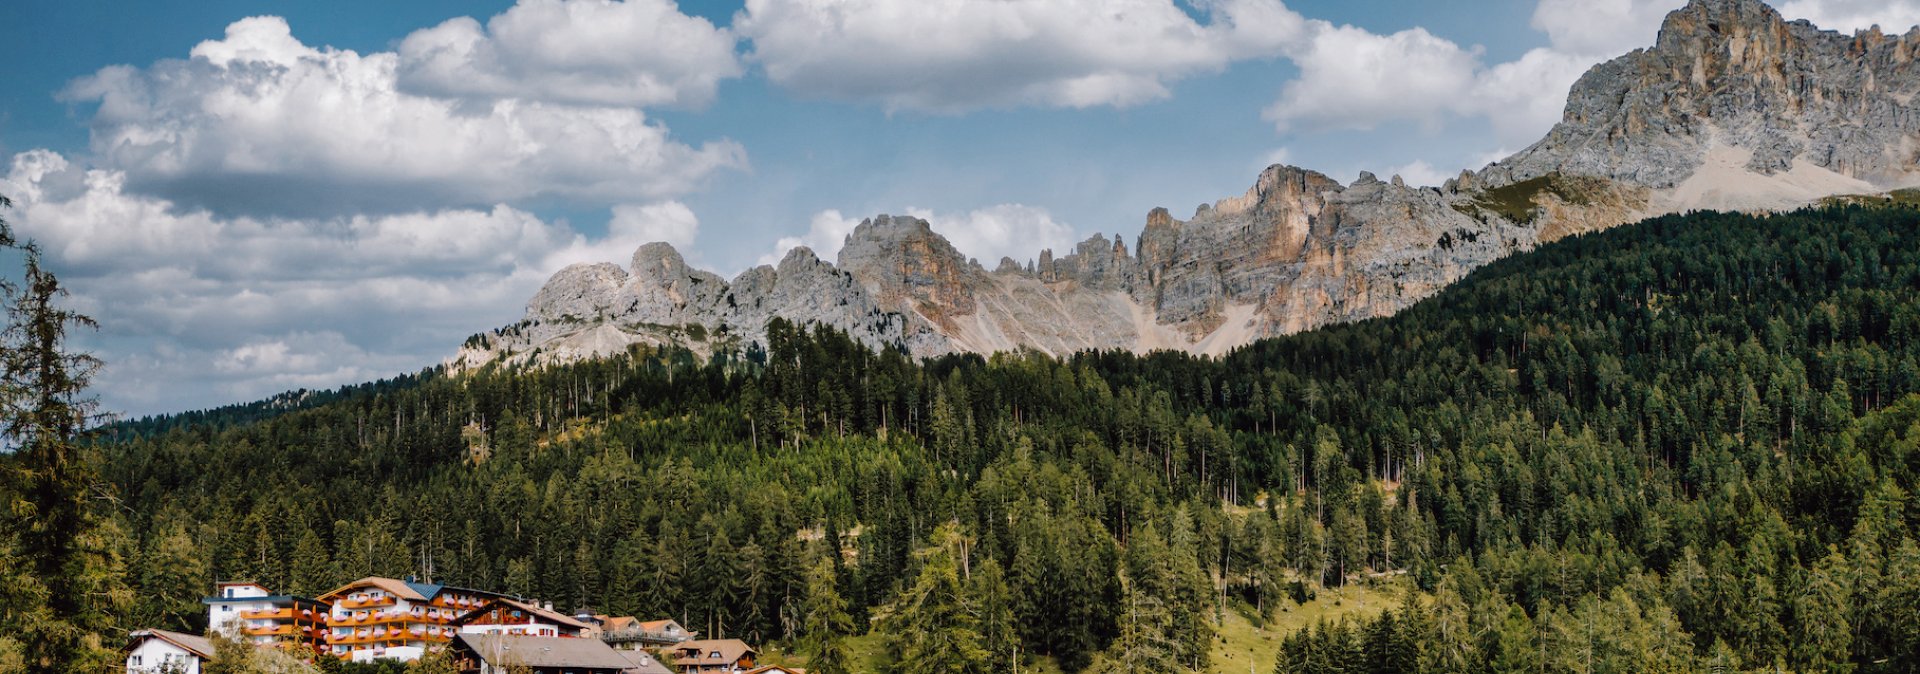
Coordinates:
[1732,107]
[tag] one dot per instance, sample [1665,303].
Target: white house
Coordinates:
[155,651]
[229,601]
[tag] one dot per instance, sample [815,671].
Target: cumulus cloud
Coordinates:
[826,233]
[987,234]
[594,52]
[1892,16]
[1601,28]
[259,123]
[632,226]
[1418,173]
[198,308]
[1354,79]
[1351,78]
[956,55]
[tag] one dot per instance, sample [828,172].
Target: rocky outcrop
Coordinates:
[1734,74]
[1731,108]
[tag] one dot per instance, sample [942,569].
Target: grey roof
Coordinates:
[531,651]
[555,617]
[197,645]
[642,662]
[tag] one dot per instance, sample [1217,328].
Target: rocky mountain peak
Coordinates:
[1732,107]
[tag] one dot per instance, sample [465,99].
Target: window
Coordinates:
[133,661]
[225,608]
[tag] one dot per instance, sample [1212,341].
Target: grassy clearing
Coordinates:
[1519,202]
[1244,646]
[1901,198]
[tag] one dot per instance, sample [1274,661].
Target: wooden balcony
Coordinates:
[270,631]
[268,614]
[367,602]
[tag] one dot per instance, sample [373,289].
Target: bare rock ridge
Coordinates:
[1731,108]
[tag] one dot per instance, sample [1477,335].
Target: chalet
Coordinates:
[383,618]
[154,651]
[497,653]
[509,616]
[629,632]
[713,655]
[249,612]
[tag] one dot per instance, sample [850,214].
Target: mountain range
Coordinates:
[1732,108]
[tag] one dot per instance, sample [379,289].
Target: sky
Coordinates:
[254,197]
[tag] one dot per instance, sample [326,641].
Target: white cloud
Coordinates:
[826,233]
[1601,28]
[1278,155]
[198,308]
[1418,173]
[987,234]
[258,122]
[956,55]
[1524,98]
[1353,79]
[594,52]
[633,226]
[1894,17]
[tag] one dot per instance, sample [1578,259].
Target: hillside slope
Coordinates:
[1686,439]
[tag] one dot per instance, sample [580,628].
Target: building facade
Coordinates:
[252,613]
[713,656]
[156,651]
[508,616]
[625,632]
[383,618]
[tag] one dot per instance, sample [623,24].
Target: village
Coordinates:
[377,618]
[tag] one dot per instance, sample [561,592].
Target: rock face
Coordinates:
[1732,108]
[1732,76]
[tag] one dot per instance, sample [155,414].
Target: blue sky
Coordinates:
[330,192]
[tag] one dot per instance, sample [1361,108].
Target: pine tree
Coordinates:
[43,413]
[1825,638]
[308,572]
[933,627]
[824,623]
[995,603]
[173,573]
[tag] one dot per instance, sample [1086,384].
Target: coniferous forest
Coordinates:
[1681,445]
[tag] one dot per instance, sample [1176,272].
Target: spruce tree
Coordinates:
[44,411]
[934,628]
[824,623]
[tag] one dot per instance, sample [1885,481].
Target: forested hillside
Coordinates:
[1674,445]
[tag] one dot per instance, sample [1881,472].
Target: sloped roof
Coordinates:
[772,669]
[399,588]
[407,589]
[731,650]
[555,617]
[530,651]
[644,663]
[197,645]
[660,625]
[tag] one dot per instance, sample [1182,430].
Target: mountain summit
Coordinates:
[1732,108]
